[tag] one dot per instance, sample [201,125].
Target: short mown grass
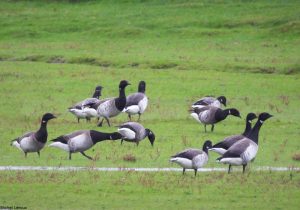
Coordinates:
[137,190]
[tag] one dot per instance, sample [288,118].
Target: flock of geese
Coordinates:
[236,150]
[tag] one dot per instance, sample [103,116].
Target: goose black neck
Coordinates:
[205,149]
[253,135]
[121,100]
[96,94]
[42,134]
[221,114]
[141,89]
[247,128]
[97,136]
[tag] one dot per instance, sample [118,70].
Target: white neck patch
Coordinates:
[261,121]
[229,112]
[43,121]
[249,121]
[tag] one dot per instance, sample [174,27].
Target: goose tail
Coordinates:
[16,144]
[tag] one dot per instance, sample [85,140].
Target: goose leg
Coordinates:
[205,128]
[122,141]
[70,155]
[39,153]
[139,117]
[107,120]
[229,168]
[129,116]
[78,120]
[212,127]
[100,124]
[137,143]
[183,171]
[195,172]
[86,156]
[25,154]
[244,167]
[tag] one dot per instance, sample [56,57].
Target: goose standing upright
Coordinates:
[192,158]
[223,146]
[82,140]
[210,101]
[135,132]
[34,141]
[210,115]
[245,150]
[113,106]
[136,103]
[77,109]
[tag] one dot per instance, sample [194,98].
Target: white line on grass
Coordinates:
[77,168]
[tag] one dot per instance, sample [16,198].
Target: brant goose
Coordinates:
[192,158]
[210,101]
[223,146]
[77,109]
[245,150]
[82,140]
[113,106]
[210,115]
[135,132]
[136,103]
[34,141]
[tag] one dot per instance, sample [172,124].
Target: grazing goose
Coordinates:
[136,103]
[82,140]
[34,141]
[135,132]
[210,115]
[210,101]
[77,109]
[113,106]
[223,146]
[245,150]
[192,158]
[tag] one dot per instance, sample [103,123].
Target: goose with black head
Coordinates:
[210,115]
[222,146]
[113,106]
[137,103]
[192,158]
[34,141]
[82,140]
[245,150]
[135,132]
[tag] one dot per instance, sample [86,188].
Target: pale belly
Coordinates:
[80,143]
[105,110]
[183,162]
[29,145]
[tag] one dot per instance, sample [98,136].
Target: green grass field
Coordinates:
[54,53]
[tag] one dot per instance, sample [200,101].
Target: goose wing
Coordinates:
[28,134]
[134,99]
[65,138]
[188,154]
[205,101]
[237,149]
[228,141]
